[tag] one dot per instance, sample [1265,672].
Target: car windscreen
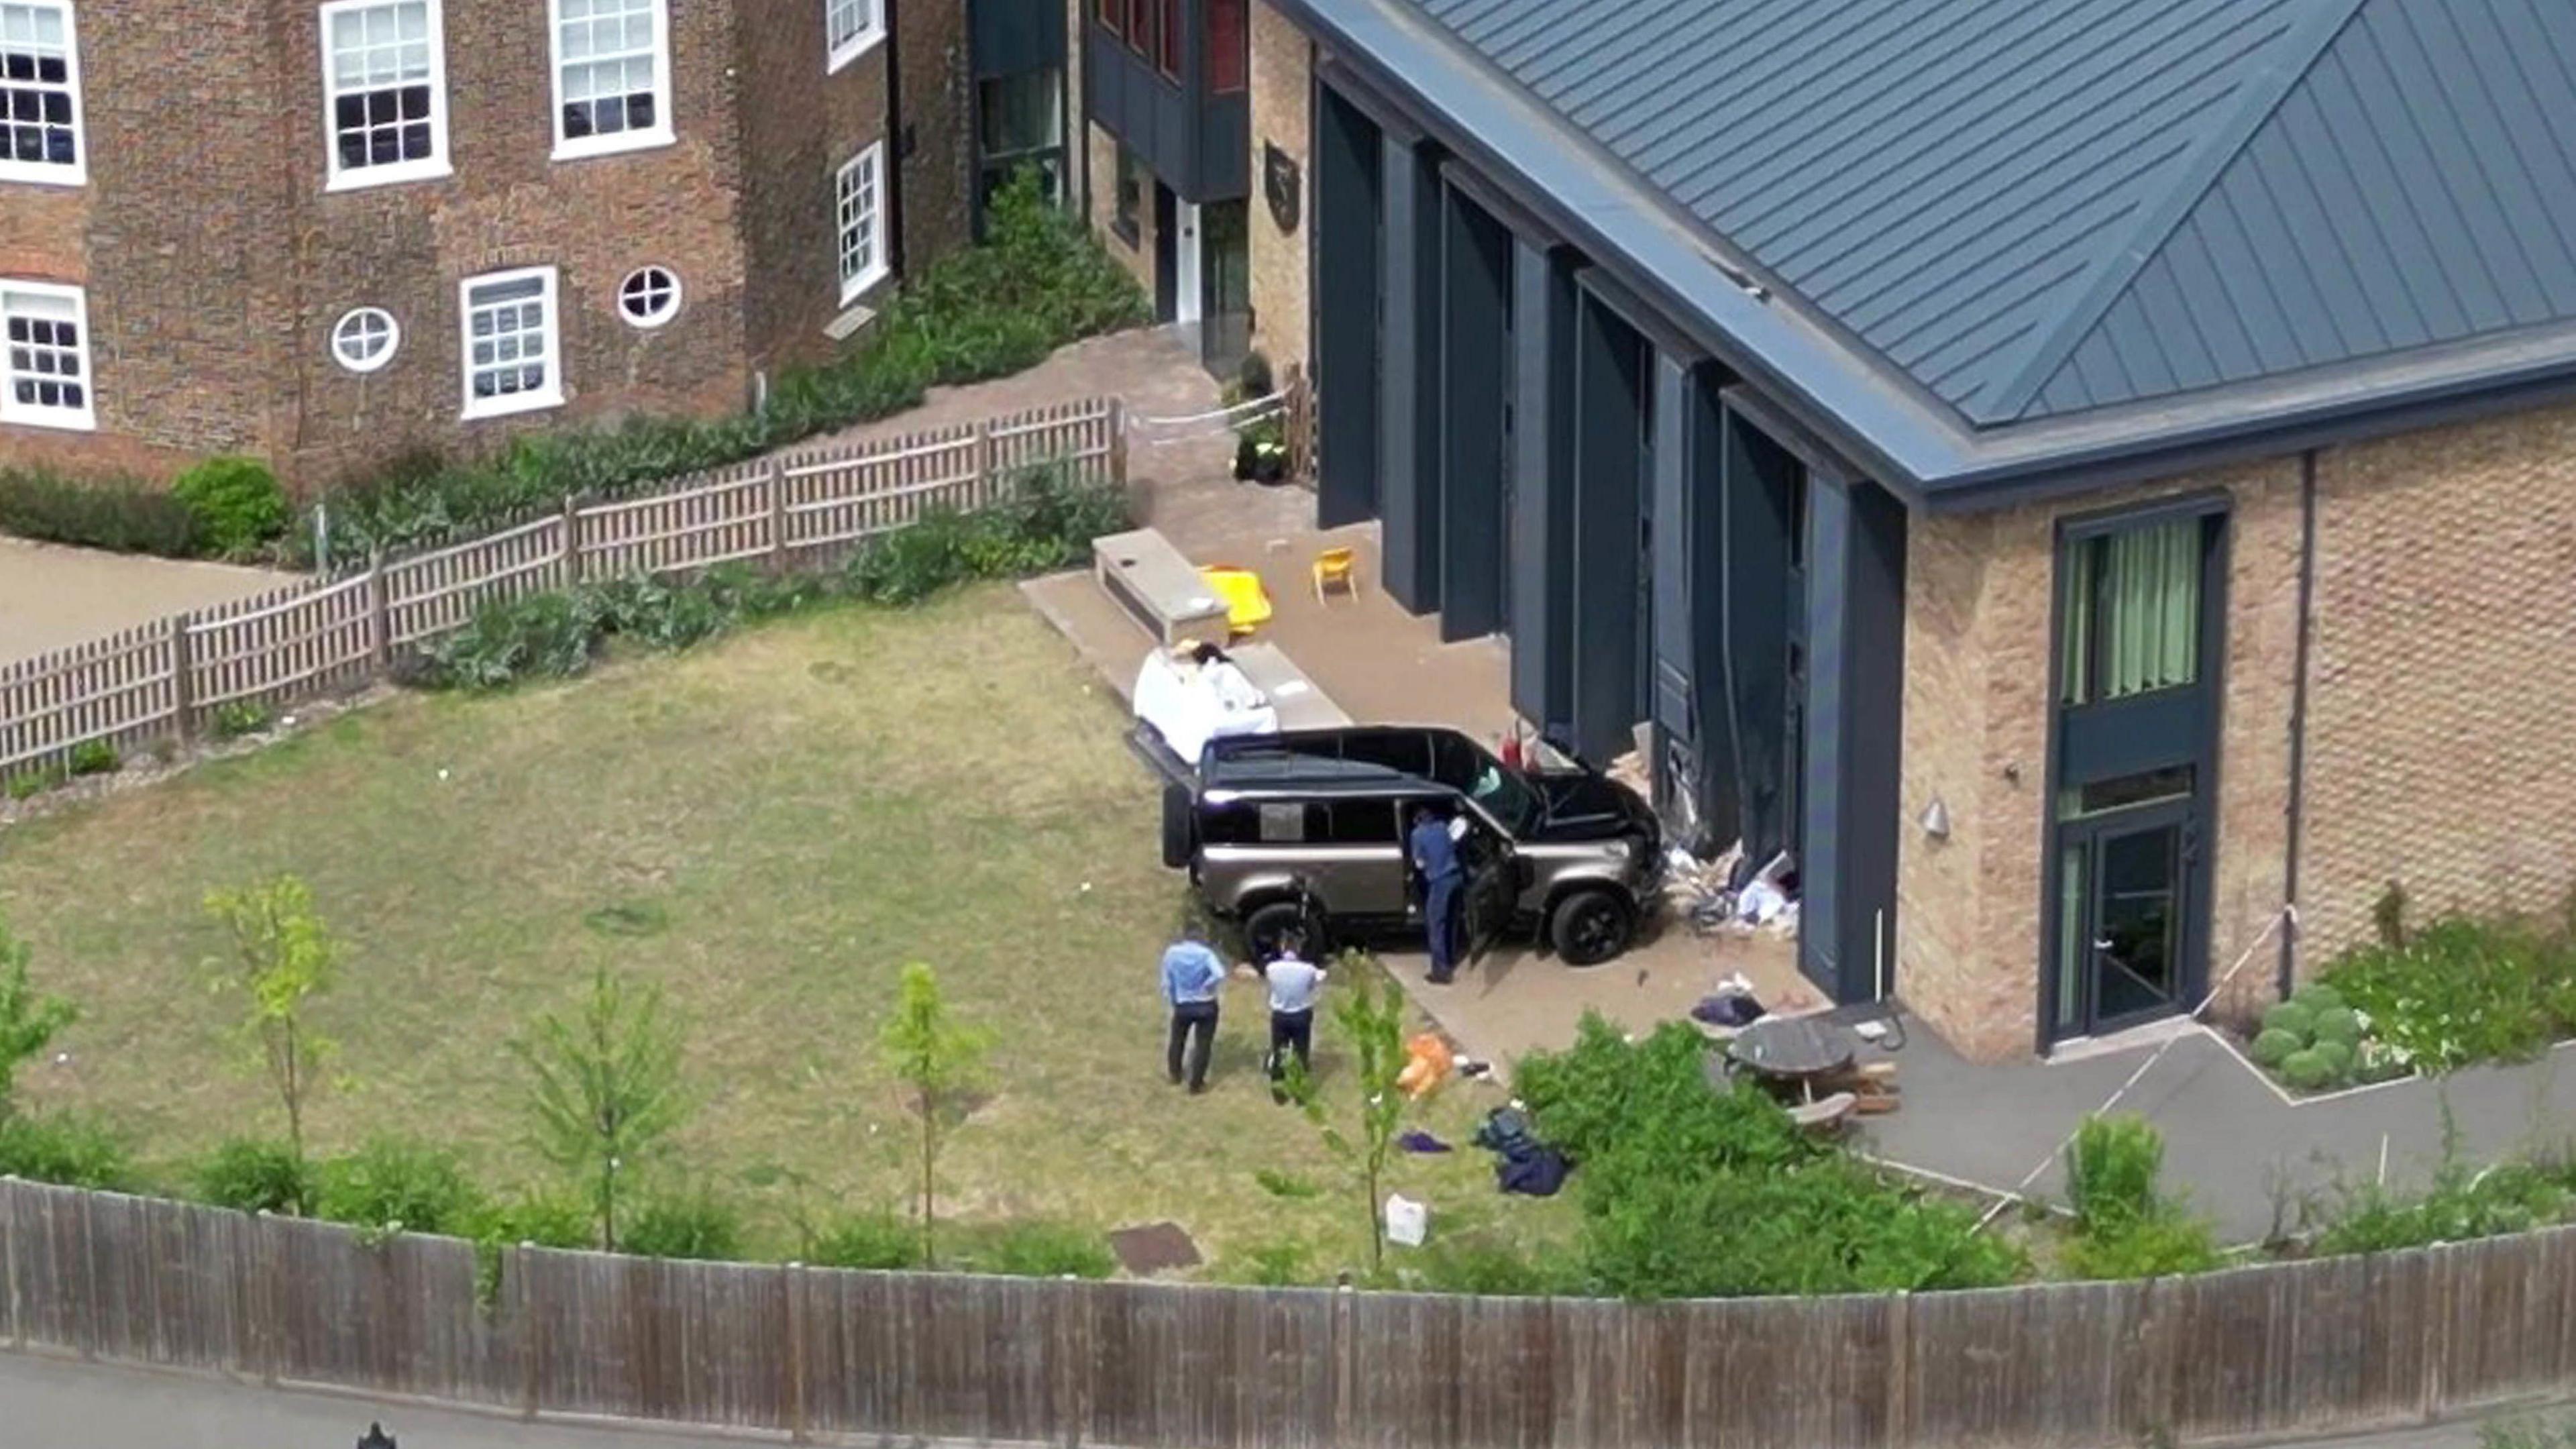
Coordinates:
[1458,764]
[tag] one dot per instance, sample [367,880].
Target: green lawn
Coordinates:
[802,809]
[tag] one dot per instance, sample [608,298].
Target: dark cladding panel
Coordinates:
[1346,262]
[1542,524]
[1475,372]
[1408,359]
[1610,381]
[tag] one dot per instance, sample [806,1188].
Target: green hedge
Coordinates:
[1039,282]
[125,515]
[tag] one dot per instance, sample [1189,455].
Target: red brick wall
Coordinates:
[799,125]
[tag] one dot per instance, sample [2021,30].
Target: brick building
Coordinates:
[2084,482]
[377,224]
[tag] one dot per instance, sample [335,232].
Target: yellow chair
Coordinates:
[1247,603]
[1337,567]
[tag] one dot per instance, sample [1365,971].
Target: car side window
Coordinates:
[1231,825]
[1363,822]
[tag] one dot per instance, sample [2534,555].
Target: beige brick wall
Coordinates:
[1282,102]
[1977,641]
[2442,694]
[1136,256]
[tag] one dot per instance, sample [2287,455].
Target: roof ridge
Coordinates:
[2119,268]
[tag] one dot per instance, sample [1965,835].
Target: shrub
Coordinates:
[2290,1016]
[2459,991]
[2153,1247]
[2272,1047]
[2459,1205]
[2335,1024]
[121,514]
[65,1149]
[237,503]
[867,1240]
[27,784]
[1474,1263]
[1038,282]
[2337,1057]
[1039,1250]
[2318,996]
[394,1182]
[2306,1070]
[237,717]
[1687,1192]
[1282,1264]
[697,1225]
[93,757]
[254,1175]
[2111,1171]
[546,1219]
[542,636]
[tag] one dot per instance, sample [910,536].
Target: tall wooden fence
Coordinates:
[2336,1344]
[801,508]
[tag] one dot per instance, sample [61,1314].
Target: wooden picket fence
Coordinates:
[2334,1345]
[801,508]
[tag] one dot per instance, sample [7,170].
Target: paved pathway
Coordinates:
[51,596]
[2229,1138]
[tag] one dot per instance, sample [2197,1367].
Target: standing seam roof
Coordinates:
[2037,207]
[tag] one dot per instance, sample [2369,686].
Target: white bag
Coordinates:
[1407,1222]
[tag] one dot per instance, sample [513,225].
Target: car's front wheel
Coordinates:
[1268,927]
[1590,926]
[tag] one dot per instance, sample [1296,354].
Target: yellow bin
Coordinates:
[1247,603]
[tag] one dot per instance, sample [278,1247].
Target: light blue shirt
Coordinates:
[1294,984]
[1191,973]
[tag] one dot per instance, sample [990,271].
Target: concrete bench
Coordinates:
[1158,587]
[1294,698]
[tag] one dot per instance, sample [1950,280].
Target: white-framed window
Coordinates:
[44,374]
[364,338]
[511,356]
[649,297]
[40,100]
[851,27]
[612,76]
[384,87]
[858,210]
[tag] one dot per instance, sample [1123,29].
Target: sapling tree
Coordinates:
[607,1091]
[1370,1012]
[283,960]
[940,1061]
[28,1020]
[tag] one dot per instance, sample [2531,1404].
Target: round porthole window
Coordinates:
[650,296]
[365,338]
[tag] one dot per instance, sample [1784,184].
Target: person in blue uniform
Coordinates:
[1435,864]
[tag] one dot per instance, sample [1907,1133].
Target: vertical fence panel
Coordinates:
[49,1261]
[118,689]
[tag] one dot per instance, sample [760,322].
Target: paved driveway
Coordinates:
[51,596]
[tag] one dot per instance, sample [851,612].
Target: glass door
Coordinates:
[2124,914]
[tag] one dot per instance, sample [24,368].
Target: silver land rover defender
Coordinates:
[1306,830]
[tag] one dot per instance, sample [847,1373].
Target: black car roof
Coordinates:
[1321,759]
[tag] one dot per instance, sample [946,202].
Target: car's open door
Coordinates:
[1494,873]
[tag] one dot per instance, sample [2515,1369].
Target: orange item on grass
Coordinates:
[1428,1063]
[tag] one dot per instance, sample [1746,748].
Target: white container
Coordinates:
[1407,1222]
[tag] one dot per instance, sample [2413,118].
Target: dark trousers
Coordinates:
[1440,925]
[1193,1028]
[1291,1031]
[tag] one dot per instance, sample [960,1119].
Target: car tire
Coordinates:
[1266,924]
[1180,824]
[1591,926]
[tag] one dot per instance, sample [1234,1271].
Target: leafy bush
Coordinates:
[1038,282]
[2337,1058]
[237,717]
[546,1219]
[1283,1264]
[2292,1018]
[2458,1206]
[541,636]
[1687,1192]
[121,514]
[1038,1250]
[237,503]
[2272,1047]
[65,1149]
[2460,991]
[2338,1024]
[93,757]
[394,1182]
[867,1240]
[697,1225]
[2317,996]
[1473,1263]
[254,1175]
[2306,1070]
[2111,1171]
[2125,1227]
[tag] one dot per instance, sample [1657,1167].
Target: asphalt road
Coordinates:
[49,1404]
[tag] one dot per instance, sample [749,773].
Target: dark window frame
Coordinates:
[1167,58]
[1128,196]
[1229,46]
[1112,15]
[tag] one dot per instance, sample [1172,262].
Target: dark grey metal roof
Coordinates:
[1420,74]
[2035,207]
